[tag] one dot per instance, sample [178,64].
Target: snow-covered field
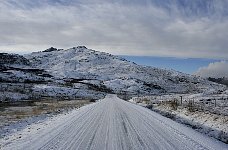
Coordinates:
[213,125]
[210,101]
[207,114]
[110,124]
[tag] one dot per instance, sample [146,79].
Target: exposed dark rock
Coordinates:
[50,49]
[219,80]
[83,47]
[8,59]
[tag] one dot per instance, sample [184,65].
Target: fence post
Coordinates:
[181,99]
[215,102]
[224,103]
[203,104]
[125,95]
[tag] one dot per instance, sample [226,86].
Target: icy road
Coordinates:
[113,124]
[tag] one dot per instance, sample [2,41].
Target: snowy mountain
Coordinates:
[80,72]
[115,73]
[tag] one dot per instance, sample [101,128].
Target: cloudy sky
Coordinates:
[164,28]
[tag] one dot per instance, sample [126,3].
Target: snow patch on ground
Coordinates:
[210,124]
[203,116]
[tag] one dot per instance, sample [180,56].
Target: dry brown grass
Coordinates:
[15,113]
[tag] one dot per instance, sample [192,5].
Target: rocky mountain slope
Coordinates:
[82,72]
[115,73]
[223,80]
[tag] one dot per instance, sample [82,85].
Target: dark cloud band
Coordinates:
[177,28]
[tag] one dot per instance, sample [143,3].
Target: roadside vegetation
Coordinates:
[16,112]
[208,115]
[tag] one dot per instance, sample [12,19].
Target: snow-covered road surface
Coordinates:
[113,124]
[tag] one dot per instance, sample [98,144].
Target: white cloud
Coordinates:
[216,70]
[119,27]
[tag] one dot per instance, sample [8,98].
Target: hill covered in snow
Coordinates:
[115,73]
[82,72]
